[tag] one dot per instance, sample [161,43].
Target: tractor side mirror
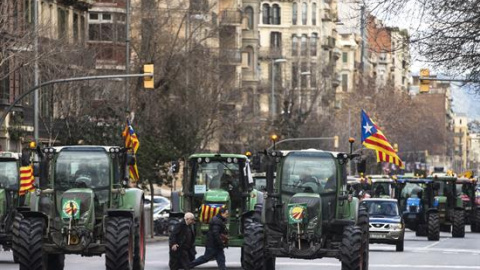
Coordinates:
[256,163]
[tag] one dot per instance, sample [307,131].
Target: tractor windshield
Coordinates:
[216,175]
[9,174]
[310,172]
[444,188]
[82,169]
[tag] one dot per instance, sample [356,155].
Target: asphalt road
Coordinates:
[448,253]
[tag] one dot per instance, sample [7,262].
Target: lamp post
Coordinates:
[273,105]
[305,73]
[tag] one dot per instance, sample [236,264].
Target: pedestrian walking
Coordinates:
[217,241]
[182,243]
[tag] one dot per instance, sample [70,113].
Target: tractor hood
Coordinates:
[217,195]
[77,203]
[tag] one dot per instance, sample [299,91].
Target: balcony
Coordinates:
[230,56]
[271,53]
[328,42]
[337,54]
[230,17]
[336,80]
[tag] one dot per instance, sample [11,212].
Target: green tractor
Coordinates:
[451,212]
[212,181]
[308,212]
[466,192]
[416,200]
[9,196]
[83,205]
[383,186]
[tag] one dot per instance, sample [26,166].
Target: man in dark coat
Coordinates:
[216,241]
[182,243]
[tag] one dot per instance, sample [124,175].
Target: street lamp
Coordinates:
[273,105]
[305,73]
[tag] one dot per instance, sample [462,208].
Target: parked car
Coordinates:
[386,223]
[161,211]
[157,201]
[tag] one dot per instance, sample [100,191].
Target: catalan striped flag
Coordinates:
[208,211]
[26,179]
[373,138]
[132,143]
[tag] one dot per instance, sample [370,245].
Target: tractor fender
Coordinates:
[34,214]
[459,208]
[175,202]
[432,210]
[132,201]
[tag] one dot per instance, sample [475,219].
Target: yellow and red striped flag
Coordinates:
[26,179]
[208,211]
[131,142]
[373,138]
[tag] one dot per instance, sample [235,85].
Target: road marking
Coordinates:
[434,244]
[382,266]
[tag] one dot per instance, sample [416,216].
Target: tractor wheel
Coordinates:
[433,230]
[353,252]
[139,256]
[30,244]
[399,245]
[15,232]
[253,257]
[421,230]
[475,227]
[55,261]
[363,222]
[458,228]
[119,246]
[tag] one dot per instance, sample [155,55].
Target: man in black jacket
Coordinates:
[215,245]
[182,243]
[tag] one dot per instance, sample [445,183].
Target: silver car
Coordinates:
[386,224]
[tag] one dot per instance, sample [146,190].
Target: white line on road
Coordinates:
[382,266]
[434,244]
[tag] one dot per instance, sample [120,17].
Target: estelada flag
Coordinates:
[208,211]
[373,138]
[131,142]
[26,179]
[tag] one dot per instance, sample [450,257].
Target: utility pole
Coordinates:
[36,72]
[127,55]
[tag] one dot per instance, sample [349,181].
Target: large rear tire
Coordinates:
[139,256]
[15,233]
[30,244]
[353,253]
[433,231]
[253,256]
[458,228]
[119,246]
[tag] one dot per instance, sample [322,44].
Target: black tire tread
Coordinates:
[29,244]
[433,231]
[253,257]
[117,240]
[352,249]
[458,224]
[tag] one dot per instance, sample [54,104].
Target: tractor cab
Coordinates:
[466,191]
[383,186]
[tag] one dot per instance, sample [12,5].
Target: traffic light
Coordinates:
[148,81]
[175,166]
[424,84]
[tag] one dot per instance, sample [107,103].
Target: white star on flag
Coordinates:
[368,128]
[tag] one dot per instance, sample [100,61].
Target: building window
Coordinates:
[345,57]
[82,30]
[314,14]
[294,75]
[29,11]
[102,27]
[304,78]
[294,13]
[249,60]
[275,40]
[344,82]
[304,13]
[62,23]
[249,13]
[313,44]
[276,14]
[294,46]
[5,83]
[313,75]
[303,45]
[266,14]
[75,27]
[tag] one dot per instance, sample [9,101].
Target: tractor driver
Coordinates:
[86,174]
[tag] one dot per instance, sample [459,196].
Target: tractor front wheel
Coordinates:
[29,244]
[458,228]
[433,230]
[353,250]
[253,249]
[139,256]
[119,246]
